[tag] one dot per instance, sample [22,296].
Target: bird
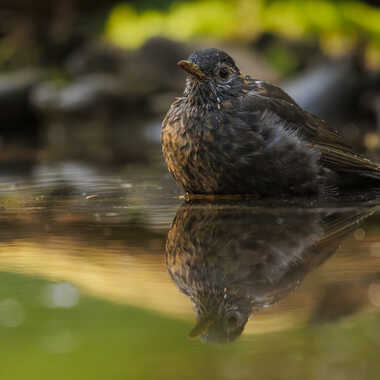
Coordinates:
[231,259]
[232,134]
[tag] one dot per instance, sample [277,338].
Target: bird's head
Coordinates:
[213,73]
[220,317]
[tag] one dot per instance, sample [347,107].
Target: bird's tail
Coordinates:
[355,170]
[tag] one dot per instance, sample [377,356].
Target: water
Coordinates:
[106,274]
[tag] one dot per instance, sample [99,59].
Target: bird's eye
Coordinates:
[232,320]
[224,73]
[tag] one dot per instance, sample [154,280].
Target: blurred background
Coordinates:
[92,82]
[86,201]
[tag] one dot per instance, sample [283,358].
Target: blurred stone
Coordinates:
[160,103]
[106,75]
[337,91]
[98,115]
[87,94]
[327,90]
[147,70]
[117,80]
[152,68]
[152,131]
[375,106]
[97,139]
[97,57]
[92,119]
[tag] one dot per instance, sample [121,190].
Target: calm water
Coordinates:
[110,275]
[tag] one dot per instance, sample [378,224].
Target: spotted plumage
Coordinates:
[231,134]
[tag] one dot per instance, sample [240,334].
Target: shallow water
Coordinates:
[105,274]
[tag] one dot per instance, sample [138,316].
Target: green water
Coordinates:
[89,291]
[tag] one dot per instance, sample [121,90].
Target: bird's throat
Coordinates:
[201,94]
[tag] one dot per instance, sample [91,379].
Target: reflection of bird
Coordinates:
[231,134]
[232,260]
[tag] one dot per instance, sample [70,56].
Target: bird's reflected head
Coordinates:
[220,322]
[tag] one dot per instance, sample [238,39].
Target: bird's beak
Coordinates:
[202,325]
[191,68]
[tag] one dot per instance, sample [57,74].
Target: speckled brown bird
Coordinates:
[231,134]
[231,260]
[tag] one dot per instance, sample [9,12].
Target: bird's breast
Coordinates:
[225,152]
[189,138]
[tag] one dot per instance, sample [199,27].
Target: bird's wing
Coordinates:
[273,103]
[268,90]
[273,98]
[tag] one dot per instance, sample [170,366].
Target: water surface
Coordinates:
[105,274]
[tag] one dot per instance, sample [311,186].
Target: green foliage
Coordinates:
[282,59]
[129,28]
[338,25]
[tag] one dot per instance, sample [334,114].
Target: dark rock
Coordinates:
[148,75]
[107,77]
[338,92]
[152,68]
[375,105]
[97,139]
[92,120]
[97,57]
[15,89]
[88,94]
[326,90]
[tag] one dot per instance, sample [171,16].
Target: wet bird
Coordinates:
[231,134]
